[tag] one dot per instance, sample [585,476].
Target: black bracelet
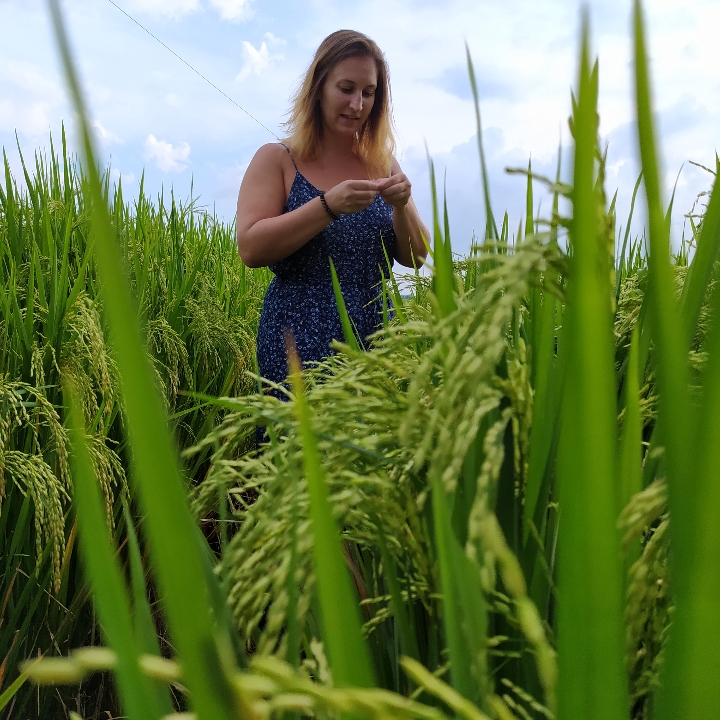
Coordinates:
[326,206]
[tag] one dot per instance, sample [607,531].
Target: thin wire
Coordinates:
[197,72]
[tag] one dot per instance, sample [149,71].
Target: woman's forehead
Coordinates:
[359,70]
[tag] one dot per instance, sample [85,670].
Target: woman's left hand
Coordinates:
[395,190]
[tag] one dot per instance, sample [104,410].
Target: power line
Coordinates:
[197,72]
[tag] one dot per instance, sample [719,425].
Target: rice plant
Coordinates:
[199,308]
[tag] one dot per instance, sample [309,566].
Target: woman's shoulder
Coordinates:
[394,166]
[272,160]
[274,152]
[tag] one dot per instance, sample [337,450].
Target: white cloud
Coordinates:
[108,136]
[30,100]
[228,181]
[255,60]
[29,119]
[233,10]
[128,178]
[260,59]
[168,157]
[273,41]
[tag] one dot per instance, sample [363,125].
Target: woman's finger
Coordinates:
[400,187]
[385,183]
[360,185]
[392,181]
[396,193]
[367,197]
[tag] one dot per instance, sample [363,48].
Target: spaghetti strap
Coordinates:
[290,154]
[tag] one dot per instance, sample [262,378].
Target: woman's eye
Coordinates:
[368,93]
[346,90]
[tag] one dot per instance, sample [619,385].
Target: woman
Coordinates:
[332,190]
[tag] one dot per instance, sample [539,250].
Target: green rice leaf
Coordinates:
[463,608]
[293,626]
[700,271]
[630,471]
[348,653]
[12,689]
[348,332]
[592,681]
[529,225]
[145,632]
[408,640]
[491,232]
[694,650]
[396,296]
[676,697]
[623,261]
[443,275]
[680,694]
[630,454]
[205,654]
[545,405]
[138,695]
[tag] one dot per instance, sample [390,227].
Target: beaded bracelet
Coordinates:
[326,206]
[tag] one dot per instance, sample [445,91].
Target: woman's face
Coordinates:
[348,95]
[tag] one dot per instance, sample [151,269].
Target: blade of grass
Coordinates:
[701,268]
[111,600]
[529,225]
[446,225]
[678,696]
[544,405]
[348,332]
[592,680]
[491,232]
[546,385]
[293,627]
[408,641]
[443,276]
[694,651]
[348,653]
[463,608]
[385,315]
[630,472]
[145,632]
[630,453]
[396,296]
[13,689]
[171,528]
[622,266]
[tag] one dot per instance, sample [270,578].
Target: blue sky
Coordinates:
[152,113]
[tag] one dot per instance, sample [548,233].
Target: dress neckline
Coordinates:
[298,173]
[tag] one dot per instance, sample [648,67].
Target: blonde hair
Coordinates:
[374,142]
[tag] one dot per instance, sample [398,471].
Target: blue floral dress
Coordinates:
[300,296]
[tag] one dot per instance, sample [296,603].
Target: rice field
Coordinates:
[508,507]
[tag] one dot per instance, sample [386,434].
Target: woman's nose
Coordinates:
[357,102]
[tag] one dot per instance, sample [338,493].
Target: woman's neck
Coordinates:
[336,147]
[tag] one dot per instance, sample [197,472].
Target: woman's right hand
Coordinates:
[351,196]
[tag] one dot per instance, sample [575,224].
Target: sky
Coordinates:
[154,115]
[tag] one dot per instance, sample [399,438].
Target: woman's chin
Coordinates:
[345,130]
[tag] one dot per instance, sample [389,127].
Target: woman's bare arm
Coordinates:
[264,234]
[410,248]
